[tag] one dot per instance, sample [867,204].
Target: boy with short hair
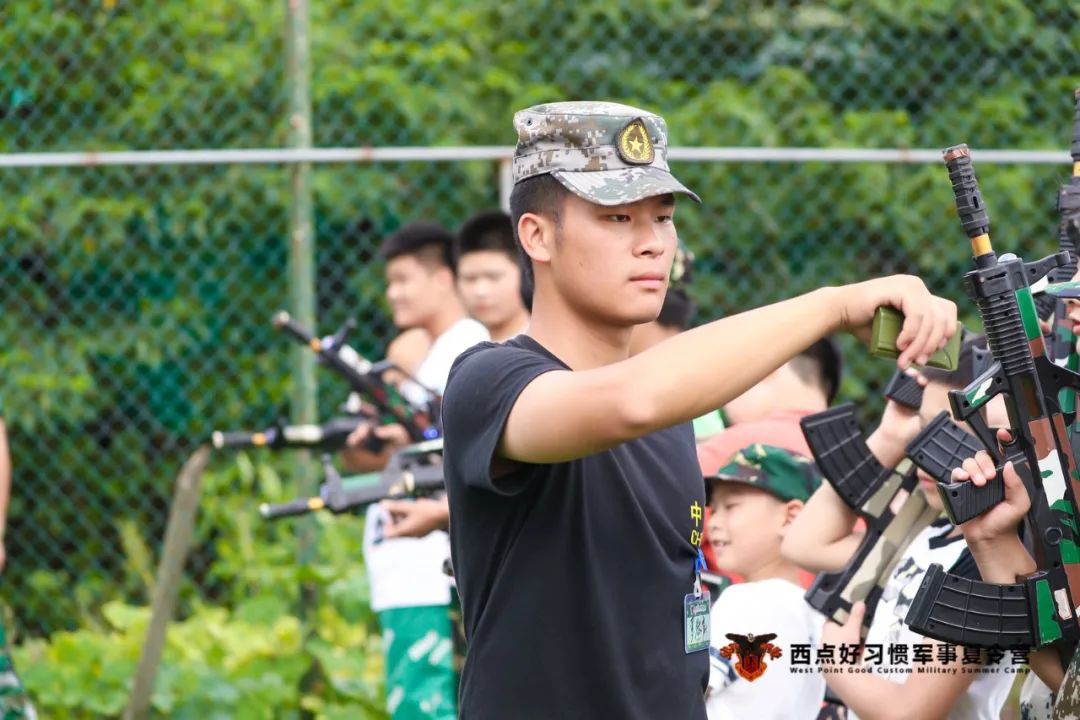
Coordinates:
[575,494]
[490,277]
[754,501]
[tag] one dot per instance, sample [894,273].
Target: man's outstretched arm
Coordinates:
[560,416]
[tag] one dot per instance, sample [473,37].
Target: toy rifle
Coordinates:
[1061,343]
[328,437]
[364,377]
[1039,610]
[888,500]
[413,471]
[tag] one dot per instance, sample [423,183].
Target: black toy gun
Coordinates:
[887,499]
[413,471]
[328,437]
[1061,343]
[1040,610]
[365,378]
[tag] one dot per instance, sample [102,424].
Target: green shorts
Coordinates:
[419,647]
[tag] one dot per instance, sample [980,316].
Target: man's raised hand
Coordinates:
[929,321]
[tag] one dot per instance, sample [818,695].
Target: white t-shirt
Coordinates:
[771,606]
[1036,699]
[408,572]
[986,695]
[435,369]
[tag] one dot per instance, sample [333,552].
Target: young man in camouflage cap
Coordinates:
[754,500]
[575,495]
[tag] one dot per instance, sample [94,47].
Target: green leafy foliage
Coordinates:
[244,655]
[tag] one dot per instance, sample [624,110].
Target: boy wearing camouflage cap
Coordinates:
[754,500]
[575,495]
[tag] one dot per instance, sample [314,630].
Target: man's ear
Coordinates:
[536,234]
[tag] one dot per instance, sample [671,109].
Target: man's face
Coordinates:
[414,289]
[490,285]
[612,262]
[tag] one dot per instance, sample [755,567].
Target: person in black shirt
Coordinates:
[576,500]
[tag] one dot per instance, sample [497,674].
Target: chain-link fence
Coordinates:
[136,299]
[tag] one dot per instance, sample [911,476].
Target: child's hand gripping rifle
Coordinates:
[413,471]
[888,500]
[365,378]
[1061,343]
[1039,610]
[328,437]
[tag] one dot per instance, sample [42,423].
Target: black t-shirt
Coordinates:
[572,575]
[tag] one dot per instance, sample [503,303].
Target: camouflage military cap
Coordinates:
[1069,290]
[606,153]
[779,472]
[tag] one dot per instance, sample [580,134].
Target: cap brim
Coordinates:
[1066,290]
[622,185]
[711,481]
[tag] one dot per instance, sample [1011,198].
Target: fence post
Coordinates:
[178,535]
[301,274]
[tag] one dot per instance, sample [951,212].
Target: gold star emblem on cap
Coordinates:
[633,144]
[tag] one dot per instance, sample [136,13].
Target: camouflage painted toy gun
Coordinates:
[1038,611]
[887,499]
[413,471]
[365,378]
[328,437]
[1061,343]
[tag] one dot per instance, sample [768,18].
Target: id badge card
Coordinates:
[696,621]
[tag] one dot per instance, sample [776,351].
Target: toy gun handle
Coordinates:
[905,390]
[841,453]
[301,506]
[940,448]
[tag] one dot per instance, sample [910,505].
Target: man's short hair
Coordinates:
[428,242]
[822,365]
[488,230]
[540,195]
[678,310]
